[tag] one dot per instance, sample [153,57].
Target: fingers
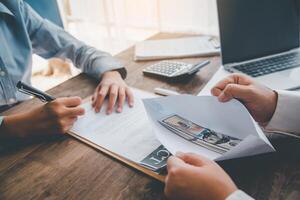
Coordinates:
[94,97]
[100,97]
[231,91]
[220,86]
[112,86]
[68,124]
[130,97]
[70,101]
[68,106]
[121,99]
[174,162]
[113,95]
[193,159]
[123,93]
[76,111]
[71,108]
[176,170]
[232,79]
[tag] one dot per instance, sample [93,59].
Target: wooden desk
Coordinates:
[64,168]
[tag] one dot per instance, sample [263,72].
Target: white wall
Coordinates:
[196,16]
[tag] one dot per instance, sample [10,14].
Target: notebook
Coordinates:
[177,48]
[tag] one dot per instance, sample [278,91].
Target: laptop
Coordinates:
[260,38]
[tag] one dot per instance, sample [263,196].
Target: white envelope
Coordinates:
[231,119]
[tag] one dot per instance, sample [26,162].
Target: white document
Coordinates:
[176,48]
[230,118]
[128,134]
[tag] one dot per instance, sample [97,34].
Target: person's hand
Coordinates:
[112,86]
[260,101]
[193,177]
[56,117]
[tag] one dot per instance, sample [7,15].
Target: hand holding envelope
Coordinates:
[231,119]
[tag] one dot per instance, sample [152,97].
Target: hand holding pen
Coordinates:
[57,116]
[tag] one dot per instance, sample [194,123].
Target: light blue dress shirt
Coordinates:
[23,33]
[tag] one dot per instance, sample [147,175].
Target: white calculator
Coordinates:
[172,69]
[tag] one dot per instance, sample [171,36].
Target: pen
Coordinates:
[29,90]
[198,66]
[165,92]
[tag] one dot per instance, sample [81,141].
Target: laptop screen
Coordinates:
[252,29]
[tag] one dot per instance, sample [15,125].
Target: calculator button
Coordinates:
[167,68]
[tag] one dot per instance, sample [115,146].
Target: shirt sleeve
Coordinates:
[49,40]
[286,117]
[239,195]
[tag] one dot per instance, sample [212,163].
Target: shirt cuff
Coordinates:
[105,64]
[239,195]
[286,117]
[1,120]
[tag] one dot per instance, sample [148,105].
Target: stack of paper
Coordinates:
[176,48]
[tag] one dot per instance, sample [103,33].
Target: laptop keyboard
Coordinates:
[270,65]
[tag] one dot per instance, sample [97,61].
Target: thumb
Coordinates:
[193,159]
[241,92]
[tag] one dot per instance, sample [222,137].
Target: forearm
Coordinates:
[62,45]
[95,62]
[49,40]
[286,117]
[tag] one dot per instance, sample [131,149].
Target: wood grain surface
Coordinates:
[61,167]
